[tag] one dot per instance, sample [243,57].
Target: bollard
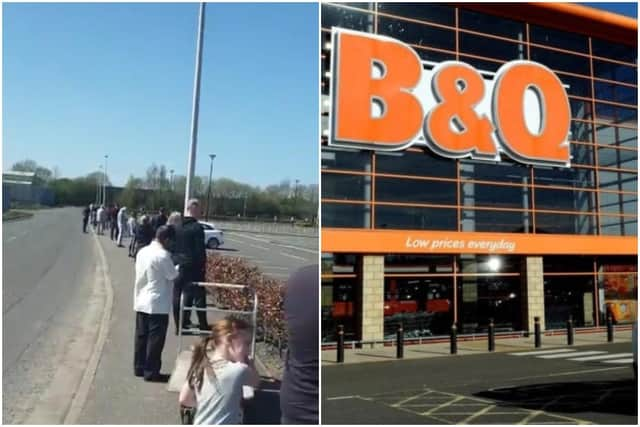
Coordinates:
[609,328]
[536,332]
[454,339]
[492,336]
[570,331]
[400,342]
[340,344]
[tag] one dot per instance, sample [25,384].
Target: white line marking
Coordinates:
[619,361]
[342,397]
[269,267]
[562,374]
[533,353]
[606,356]
[10,239]
[292,256]
[580,353]
[298,248]
[251,237]
[231,239]
[258,247]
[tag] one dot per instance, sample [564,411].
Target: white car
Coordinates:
[213,238]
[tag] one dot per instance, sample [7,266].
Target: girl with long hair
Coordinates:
[220,367]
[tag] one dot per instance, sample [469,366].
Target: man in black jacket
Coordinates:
[193,264]
[159,220]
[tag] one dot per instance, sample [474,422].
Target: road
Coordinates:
[486,388]
[277,256]
[47,280]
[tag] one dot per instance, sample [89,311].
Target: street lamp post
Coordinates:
[211,156]
[98,186]
[295,196]
[104,183]
[196,108]
[171,180]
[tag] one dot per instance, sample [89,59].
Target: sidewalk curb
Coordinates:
[80,397]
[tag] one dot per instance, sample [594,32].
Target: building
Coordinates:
[429,240]
[18,188]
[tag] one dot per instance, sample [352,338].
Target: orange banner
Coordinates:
[442,242]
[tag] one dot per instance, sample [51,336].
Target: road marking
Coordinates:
[298,248]
[629,360]
[292,256]
[477,414]
[562,374]
[409,399]
[342,397]
[533,353]
[251,237]
[10,239]
[606,356]
[258,247]
[269,267]
[580,353]
[231,239]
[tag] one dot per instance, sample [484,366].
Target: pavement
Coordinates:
[53,299]
[479,346]
[580,385]
[277,256]
[137,401]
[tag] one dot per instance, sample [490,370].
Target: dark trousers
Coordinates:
[114,230]
[178,285]
[84,224]
[151,331]
[132,246]
[195,295]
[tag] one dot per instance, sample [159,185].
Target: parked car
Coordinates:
[213,237]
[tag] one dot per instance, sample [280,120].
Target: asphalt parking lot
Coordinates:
[498,388]
[277,256]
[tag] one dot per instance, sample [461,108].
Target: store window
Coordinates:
[615,51]
[496,221]
[346,187]
[413,218]
[491,24]
[618,288]
[415,191]
[346,215]
[565,200]
[615,72]
[345,159]
[423,163]
[335,16]
[491,48]
[616,93]
[417,34]
[481,298]
[502,196]
[617,136]
[562,223]
[560,39]
[561,61]
[423,305]
[569,296]
[339,296]
[434,13]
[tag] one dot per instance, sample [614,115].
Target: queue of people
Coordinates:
[170,255]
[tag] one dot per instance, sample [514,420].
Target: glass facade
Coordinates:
[416,189]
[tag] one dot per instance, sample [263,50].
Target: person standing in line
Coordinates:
[133,226]
[177,255]
[92,215]
[144,234]
[160,219]
[155,273]
[122,225]
[193,264]
[100,215]
[113,222]
[85,218]
[299,389]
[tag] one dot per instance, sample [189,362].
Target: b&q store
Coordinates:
[478,161]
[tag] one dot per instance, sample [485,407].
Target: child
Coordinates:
[220,366]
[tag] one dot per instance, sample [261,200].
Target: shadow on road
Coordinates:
[615,397]
[265,406]
[225,250]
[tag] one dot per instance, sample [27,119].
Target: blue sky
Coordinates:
[84,80]
[628,9]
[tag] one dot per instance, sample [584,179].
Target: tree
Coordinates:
[42,174]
